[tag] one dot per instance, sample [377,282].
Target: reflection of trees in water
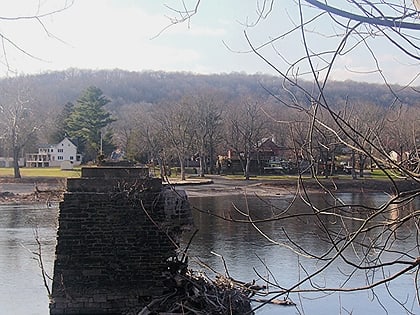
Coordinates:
[382,239]
[19,227]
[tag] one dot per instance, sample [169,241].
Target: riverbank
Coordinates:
[50,189]
[31,189]
[263,186]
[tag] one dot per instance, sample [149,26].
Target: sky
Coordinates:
[134,35]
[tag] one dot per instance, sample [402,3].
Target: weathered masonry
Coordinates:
[117,229]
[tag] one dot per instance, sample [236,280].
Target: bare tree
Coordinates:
[207,118]
[40,13]
[19,124]
[245,130]
[17,120]
[130,131]
[365,237]
[401,135]
[177,122]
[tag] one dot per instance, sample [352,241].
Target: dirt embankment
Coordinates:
[264,187]
[48,189]
[31,189]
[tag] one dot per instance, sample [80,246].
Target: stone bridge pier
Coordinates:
[117,229]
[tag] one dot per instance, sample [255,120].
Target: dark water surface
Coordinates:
[244,249]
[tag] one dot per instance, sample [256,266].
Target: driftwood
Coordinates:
[275,302]
[192,292]
[6,195]
[49,191]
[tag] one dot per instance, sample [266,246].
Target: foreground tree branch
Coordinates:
[365,237]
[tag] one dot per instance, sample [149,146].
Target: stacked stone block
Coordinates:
[115,235]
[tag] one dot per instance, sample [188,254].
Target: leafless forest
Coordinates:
[175,117]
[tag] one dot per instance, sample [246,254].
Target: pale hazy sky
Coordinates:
[110,34]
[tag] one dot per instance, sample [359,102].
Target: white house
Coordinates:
[63,153]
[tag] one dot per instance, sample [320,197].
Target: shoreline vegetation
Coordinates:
[39,189]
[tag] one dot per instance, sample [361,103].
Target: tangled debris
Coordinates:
[6,195]
[35,197]
[192,292]
[42,193]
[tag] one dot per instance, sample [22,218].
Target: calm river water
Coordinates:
[244,250]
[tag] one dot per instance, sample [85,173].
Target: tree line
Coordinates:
[208,124]
[178,116]
[199,125]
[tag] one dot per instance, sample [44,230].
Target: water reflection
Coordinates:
[245,250]
[22,291]
[248,253]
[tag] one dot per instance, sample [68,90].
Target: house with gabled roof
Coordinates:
[55,155]
[266,156]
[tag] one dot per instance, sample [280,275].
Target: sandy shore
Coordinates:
[224,186]
[29,190]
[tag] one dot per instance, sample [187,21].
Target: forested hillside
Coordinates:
[55,89]
[182,116]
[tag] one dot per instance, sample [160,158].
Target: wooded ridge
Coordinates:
[54,89]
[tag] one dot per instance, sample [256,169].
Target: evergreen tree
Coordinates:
[88,121]
[60,124]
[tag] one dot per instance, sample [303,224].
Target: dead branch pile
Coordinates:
[47,197]
[194,293]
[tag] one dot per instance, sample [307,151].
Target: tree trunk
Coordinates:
[248,162]
[162,169]
[16,169]
[362,159]
[182,165]
[332,165]
[202,166]
[260,167]
[353,165]
[313,168]
[212,162]
[202,162]
[243,165]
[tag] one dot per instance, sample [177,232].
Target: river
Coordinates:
[245,251]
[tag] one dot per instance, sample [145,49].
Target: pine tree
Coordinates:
[87,122]
[60,125]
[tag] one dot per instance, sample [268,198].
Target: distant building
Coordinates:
[267,149]
[8,162]
[54,155]
[266,157]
